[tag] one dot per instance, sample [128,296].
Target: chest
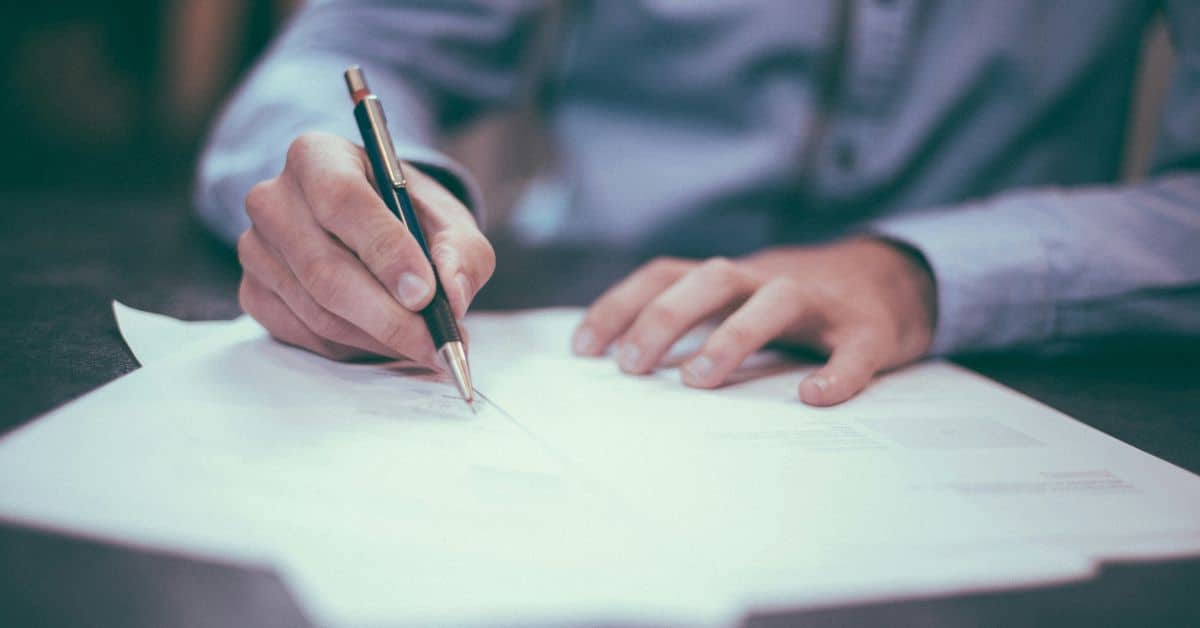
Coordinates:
[853,54]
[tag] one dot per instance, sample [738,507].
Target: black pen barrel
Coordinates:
[393,189]
[438,315]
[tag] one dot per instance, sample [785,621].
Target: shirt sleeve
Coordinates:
[1049,267]
[433,65]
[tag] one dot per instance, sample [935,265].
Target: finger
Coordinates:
[706,289]
[465,262]
[463,257]
[617,308]
[850,368]
[273,314]
[264,268]
[331,274]
[777,307]
[331,174]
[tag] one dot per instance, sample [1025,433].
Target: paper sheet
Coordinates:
[153,337]
[579,494]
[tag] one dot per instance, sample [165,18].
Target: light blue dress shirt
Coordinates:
[986,134]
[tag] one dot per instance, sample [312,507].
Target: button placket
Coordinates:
[880,38]
[845,154]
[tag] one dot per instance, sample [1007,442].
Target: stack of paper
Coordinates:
[577,494]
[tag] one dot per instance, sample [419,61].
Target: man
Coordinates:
[888,178]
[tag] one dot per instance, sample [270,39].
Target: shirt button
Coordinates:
[845,156]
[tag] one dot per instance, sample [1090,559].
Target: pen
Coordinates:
[389,177]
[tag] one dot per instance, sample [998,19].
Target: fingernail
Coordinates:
[628,356]
[699,369]
[583,341]
[464,289]
[821,383]
[411,290]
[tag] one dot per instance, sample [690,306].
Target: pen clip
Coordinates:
[383,139]
[360,92]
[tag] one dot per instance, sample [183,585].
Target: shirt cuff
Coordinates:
[992,276]
[450,174]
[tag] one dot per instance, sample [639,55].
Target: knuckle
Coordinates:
[737,338]
[661,315]
[396,335]
[442,252]
[246,298]
[663,268]
[720,270]
[305,146]
[824,292]
[719,266]
[487,255]
[324,324]
[798,295]
[489,264]
[259,199]
[322,279]
[244,248]
[787,288]
[387,246]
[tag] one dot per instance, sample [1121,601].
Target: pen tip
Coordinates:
[455,357]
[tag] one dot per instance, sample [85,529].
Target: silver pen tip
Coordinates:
[455,357]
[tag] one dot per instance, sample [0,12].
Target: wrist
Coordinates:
[906,276]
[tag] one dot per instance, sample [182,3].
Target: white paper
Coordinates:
[153,337]
[577,493]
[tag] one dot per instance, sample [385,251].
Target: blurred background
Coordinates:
[119,94]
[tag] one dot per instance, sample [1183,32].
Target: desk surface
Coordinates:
[65,258]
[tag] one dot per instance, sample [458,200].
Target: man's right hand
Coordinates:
[327,267]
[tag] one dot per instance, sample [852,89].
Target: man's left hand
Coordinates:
[868,304]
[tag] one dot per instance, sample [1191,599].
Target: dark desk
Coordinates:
[65,258]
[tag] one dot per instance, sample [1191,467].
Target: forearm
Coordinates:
[1042,267]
